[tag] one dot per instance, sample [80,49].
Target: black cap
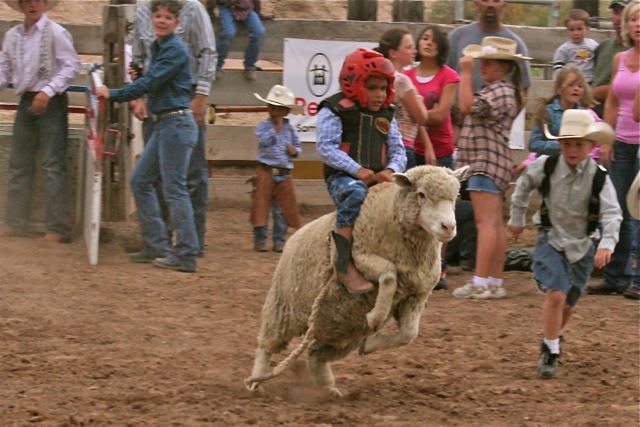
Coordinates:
[622,3]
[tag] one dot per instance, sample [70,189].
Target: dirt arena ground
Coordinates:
[127,344]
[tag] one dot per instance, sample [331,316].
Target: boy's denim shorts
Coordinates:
[482,183]
[552,270]
[348,194]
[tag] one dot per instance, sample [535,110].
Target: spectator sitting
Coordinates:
[273,184]
[579,51]
[231,12]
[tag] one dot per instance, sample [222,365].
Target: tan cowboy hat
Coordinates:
[15,4]
[633,198]
[281,96]
[495,48]
[581,124]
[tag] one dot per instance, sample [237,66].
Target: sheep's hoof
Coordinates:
[335,393]
[374,322]
[362,350]
[254,387]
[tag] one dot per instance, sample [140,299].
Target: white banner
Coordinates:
[311,69]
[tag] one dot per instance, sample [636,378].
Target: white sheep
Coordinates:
[397,240]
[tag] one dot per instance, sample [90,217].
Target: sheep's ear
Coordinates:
[462,173]
[402,180]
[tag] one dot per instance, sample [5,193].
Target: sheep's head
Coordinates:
[427,196]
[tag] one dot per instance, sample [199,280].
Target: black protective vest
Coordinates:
[364,133]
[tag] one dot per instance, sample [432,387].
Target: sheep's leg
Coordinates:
[383,271]
[321,374]
[261,366]
[408,326]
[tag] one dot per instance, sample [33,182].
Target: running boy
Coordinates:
[277,145]
[571,209]
[358,140]
[167,154]
[580,50]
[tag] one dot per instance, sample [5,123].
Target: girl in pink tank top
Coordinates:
[625,86]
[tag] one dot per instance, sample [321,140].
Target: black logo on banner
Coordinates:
[319,74]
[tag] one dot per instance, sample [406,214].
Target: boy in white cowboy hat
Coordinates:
[571,209]
[278,143]
[39,60]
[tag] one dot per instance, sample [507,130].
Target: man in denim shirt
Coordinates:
[168,152]
[196,31]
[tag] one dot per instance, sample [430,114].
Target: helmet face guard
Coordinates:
[357,67]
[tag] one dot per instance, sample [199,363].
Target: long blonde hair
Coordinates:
[560,82]
[629,9]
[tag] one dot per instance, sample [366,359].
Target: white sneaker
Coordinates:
[471,291]
[498,292]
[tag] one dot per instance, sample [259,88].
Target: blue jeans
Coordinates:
[256,36]
[348,194]
[197,181]
[411,157]
[618,273]
[445,161]
[166,159]
[31,132]
[279,227]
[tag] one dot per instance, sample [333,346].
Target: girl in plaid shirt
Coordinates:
[484,145]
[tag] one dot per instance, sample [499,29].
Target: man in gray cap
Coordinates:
[604,55]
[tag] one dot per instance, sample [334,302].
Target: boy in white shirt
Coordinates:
[39,61]
[571,209]
[580,49]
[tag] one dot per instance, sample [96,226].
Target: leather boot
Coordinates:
[347,273]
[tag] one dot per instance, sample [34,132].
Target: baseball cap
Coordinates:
[622,3]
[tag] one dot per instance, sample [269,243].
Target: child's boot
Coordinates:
[347,273]
[547,362]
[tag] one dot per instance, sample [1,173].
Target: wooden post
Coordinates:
[362,10]
[408,11]
[590,6]
[116,21]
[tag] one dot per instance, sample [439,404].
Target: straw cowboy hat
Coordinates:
[281,96]
[633,198]
[581,124]
[495,48]
[15,4]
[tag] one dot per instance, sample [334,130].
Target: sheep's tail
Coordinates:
[307,341]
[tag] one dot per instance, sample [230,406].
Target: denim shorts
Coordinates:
[482,183]
[552,270]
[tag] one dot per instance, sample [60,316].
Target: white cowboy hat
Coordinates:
[281,96]
[495,48]
[581,124]
[15,4]
[633,198]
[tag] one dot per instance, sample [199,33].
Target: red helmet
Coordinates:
[358,66]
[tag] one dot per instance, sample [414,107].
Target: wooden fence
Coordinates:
[229,144]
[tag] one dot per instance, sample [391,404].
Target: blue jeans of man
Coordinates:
[166,159]
[31,132]
[197,181]
[224,39]
[279,227]
[348,194]
[618,274]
